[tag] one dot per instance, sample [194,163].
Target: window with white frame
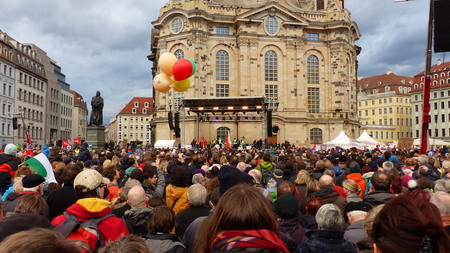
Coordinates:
[179,54]
[313,69]
[271,91]
[222,90]
[271,66]
[313,100]
[133,110]
[222,132]
[222,65]
[177,25]
[313,36]
[222,30]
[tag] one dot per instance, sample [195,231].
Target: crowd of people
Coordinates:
[218,199]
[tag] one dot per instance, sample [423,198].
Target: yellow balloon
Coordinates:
[162,82]
[182,86]
[166,62]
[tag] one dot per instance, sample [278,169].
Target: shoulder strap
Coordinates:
[298,192]
[111,185]
[175,202]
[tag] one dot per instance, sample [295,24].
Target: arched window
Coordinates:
[177,25]
[271,66]
[313,69]
[179,54]
[222,133]
[222,65]
[316,135]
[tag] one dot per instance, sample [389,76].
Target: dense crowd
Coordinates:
[215,199]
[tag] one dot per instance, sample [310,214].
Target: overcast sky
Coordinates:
[103,44]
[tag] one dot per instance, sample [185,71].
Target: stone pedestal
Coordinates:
[96,136]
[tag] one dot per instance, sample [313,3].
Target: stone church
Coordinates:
[293,63]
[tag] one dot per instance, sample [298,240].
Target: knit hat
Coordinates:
[90,179]
[357,206]
[286,206]
[87,163]
[199,171]
[354,167]
[230,176]
[11,149]
[32,180]
[129,170]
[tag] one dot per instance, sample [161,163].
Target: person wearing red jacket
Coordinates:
[8,166]
[90,189]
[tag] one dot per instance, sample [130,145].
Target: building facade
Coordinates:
[439,126]
[7,82]
[111,131]
[79,116]
[300,55]
[66,102]
[384,106]
[132,121]
[52,133]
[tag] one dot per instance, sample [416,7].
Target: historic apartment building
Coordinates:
[384,106]
[439,126]
[79,116]
[7,82]
[132,122]
[299,56]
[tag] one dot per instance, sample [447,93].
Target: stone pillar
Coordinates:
[96,136]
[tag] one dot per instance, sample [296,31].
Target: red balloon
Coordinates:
[182,69]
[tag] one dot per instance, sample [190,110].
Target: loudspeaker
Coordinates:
[441,25]
[170,120]
[275,129]
[177,125]
[14,123]
[269,123]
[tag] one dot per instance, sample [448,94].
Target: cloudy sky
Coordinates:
[103,44]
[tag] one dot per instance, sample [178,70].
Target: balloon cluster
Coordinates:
[175,74]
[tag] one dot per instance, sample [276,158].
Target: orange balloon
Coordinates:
[166,62]
[162,82]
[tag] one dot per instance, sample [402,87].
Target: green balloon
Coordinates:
[194,66]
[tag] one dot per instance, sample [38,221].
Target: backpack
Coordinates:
[85,234]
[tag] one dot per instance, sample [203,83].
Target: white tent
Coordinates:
[366,140]
[343,141]
[166,144]
[432,142]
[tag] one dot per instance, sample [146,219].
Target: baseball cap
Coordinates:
[89,179]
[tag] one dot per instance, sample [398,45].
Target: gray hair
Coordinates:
[256,175]
[442,185]
[197,178]
[329,217]
[197,195]
[388,166]
[357,214]
[130,184]
[422,159]
[241,166]
[326,181]
[442,201]
[446,164]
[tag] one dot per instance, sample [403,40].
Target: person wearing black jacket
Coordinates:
[8,166]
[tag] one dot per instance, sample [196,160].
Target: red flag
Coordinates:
[228,140]
[77,141]
[65,143]
[28,138]
[203,142]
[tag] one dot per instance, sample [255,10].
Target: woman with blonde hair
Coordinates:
[242,220]
[352,189]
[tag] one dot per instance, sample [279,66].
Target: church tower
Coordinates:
[300,57]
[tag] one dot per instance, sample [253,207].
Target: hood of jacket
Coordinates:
[88,208]
[136,220]
[175,192]
[162,242]
[357,177]
[266,165]
[4,158]
[328,195]
[376,198]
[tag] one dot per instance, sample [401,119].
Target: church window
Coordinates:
[179,54]
[313,36]
[313,69]
[320,4]
[177,25]
[271,66]
[271,91]
[222,65]
[316,135]
[222,133]
[222,90]
[313,100]
[271,25]
[222,30]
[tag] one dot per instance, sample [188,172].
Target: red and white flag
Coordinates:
[27,135]
[65,143]
[77,141]
[228,140]
[202,143]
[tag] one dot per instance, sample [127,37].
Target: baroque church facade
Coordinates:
[300,57]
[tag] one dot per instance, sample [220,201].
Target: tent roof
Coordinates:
[366,138]
[342,140]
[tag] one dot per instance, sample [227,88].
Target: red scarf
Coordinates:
[261,238]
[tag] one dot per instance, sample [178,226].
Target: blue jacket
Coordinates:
[327,242]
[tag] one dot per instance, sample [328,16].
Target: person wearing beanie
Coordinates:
[229,176]
[291,232]
[8,166]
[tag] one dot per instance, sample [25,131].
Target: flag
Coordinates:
[77,141]
[28,138]
[203,142]
[42,166]
[228,140]
[65,143]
